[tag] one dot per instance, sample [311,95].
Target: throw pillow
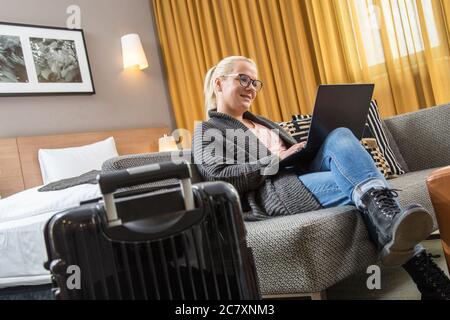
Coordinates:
[298,128]
[374,140]
[374,129]
[64,163]
[371,146]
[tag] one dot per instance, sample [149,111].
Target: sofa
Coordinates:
[304,254]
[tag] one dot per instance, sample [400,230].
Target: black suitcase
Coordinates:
[182,243]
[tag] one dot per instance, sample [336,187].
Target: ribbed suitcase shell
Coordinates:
[206,258]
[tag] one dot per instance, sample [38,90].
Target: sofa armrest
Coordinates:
[423,137]
[136,160]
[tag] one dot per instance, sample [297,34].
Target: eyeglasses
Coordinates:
[245,81]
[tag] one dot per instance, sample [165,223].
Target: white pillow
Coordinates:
[57,164]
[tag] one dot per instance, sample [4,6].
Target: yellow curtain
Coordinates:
[400,45]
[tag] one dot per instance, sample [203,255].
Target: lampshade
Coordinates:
[132,52]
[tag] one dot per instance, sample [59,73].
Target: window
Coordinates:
[402,23]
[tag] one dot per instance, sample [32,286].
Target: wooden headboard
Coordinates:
[19,165]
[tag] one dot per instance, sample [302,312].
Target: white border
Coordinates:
[33,86]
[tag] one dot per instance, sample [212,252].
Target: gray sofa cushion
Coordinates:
[423,137]
[312,251]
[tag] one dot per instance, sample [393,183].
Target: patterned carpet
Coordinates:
[41,292]
[395,282]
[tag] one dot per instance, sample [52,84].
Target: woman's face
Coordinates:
[232,97]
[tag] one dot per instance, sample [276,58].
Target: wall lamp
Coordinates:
[132,52]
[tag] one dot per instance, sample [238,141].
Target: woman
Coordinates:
[244,149]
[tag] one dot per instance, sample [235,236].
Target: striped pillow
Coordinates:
[374,129]
[371,146]
[298,127]
[379,150]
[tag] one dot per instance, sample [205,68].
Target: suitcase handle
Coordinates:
[109,182]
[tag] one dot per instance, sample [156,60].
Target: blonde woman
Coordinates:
[244,149]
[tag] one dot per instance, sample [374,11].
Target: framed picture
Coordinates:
[38,60]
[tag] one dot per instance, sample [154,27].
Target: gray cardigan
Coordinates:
[249,167]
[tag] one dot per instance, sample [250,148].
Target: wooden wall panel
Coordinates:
[11,180]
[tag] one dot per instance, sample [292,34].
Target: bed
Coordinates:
[24,210]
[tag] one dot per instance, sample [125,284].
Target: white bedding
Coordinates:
[31,202]
[22,220]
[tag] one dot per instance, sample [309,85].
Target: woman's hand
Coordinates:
[293,149]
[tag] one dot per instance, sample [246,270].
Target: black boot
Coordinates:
[431,281]
[396,231]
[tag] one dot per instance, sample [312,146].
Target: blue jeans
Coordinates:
[341,164]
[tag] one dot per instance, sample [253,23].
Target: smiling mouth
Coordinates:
[246,97]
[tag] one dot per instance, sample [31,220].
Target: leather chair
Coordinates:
[438,183]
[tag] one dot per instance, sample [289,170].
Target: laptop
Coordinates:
[337,105]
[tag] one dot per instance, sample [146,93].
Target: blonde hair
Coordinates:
[225,66]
